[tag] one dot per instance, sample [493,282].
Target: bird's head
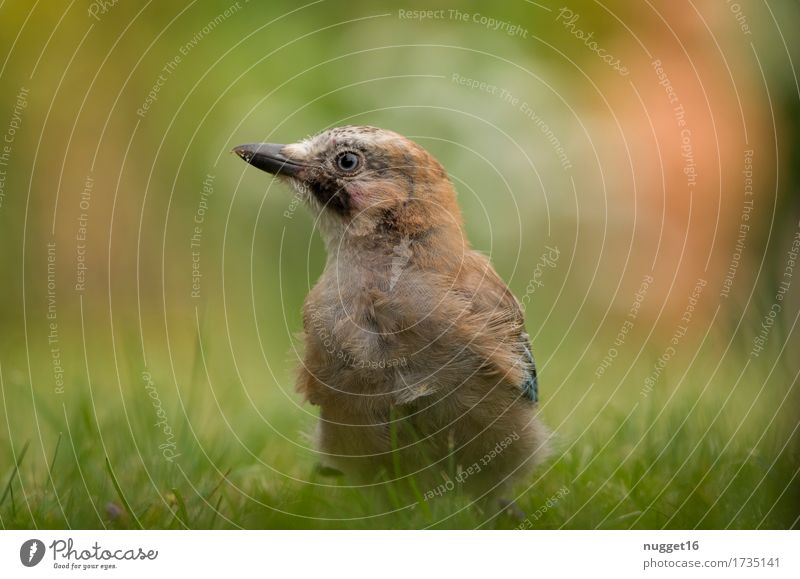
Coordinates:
[362,181]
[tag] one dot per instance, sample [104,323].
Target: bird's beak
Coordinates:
[268,157]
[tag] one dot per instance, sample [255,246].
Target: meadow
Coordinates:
[710,447]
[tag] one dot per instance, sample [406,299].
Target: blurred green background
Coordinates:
[136,392]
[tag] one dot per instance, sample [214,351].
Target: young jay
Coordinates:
[415,349]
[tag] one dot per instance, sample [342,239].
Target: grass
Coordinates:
[710,447]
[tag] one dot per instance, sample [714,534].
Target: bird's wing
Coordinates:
[495,326]
[530,385]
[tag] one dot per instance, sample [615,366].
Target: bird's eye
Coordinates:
[347,161]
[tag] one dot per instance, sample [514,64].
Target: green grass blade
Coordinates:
[53,462]
[181,514]
[13,474]
[121,494]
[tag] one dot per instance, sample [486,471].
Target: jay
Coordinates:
[415,350]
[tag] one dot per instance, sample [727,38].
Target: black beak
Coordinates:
[268,157]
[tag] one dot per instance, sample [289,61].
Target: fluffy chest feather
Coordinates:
[374,328]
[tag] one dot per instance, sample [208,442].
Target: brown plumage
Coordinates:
[415,349]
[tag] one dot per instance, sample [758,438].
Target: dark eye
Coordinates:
[348,161]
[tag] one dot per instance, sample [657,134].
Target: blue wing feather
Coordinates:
[530,386]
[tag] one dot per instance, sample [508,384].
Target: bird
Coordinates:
[415,350]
